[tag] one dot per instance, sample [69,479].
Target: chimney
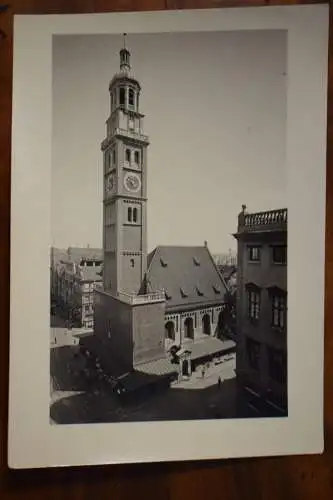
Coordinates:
[206,243]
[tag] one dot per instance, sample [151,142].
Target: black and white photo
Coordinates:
[167,236]
[168,294]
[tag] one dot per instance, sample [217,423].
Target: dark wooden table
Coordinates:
[303,478]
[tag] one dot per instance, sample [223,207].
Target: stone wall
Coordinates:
[113,327]
[148,331]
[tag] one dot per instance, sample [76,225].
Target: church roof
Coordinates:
[188,276]
[76,254]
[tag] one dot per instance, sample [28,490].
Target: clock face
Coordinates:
[132,182]
[110,183]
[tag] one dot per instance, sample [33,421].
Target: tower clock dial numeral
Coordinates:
[132,182]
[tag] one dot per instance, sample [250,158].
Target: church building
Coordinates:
[149,302]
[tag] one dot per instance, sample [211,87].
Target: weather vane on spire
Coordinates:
[124,56]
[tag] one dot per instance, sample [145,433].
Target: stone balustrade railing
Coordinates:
[271,219]
[141,299]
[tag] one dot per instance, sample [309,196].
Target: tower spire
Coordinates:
[125,57]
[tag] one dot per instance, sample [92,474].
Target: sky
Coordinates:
[215,114]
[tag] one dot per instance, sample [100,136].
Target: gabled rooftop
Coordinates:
[188,276]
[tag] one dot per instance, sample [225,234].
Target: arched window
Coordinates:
[128,155]
[132,262]
[135,214]
[129,214]
[137,157]
[122,96]
[131,97]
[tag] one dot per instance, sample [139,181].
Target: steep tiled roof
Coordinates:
[77,254]
[187,274]
[91,273]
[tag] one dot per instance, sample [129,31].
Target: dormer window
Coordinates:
[199,291]
[163,262]
[196,261]
[167,295]
[183,292]
[216,289]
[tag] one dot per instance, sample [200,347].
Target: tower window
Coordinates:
[114,156]
[137,157]
[132,262]
[128,155]
[122,96]
[131,97]
[135,214]
[129,214]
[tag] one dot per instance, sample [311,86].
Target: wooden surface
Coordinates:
[303,478]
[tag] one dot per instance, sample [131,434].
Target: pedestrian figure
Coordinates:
[219,381]
[203,372]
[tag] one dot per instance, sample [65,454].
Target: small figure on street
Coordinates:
[203,372]
[219,381]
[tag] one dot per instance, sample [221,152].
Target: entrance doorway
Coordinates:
[186,368]
[188,328]
[206,327]
[170,330]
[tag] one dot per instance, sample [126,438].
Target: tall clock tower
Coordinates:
[125,185]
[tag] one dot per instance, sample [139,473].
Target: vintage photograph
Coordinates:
[169,217]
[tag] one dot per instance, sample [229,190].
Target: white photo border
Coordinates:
[32,440]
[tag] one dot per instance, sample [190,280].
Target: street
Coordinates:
[78,399]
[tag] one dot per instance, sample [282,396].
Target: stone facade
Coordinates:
[129,331]
[125,185]
[174,292]
[75,273]
[262,310]
[191,325]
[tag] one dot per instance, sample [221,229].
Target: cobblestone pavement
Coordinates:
[73,399]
